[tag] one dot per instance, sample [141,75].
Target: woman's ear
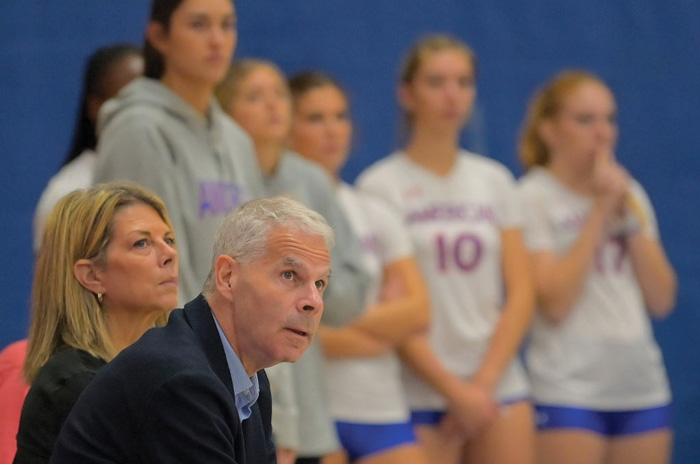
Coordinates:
[405,97]
[546,132]
[86,273]
[157,36]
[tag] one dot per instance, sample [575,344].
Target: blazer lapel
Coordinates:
[198,315]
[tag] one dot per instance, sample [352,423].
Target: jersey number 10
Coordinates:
[464,252]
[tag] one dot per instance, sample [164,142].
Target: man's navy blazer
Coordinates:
[168,398]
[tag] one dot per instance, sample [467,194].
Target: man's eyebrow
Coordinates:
[288,261]
[291,262]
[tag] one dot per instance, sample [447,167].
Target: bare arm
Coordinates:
[418,354]
[559,279]
[471,405]
[349,342]
[396,317]
[516,313]
[387,323]
[654,272]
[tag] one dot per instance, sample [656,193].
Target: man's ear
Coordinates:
[86,273]
[157,36]
[226,273]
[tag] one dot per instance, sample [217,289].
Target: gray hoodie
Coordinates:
[202,167]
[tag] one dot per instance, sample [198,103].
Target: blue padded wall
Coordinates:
[647,50]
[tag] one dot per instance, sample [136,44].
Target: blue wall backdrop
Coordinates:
[648,51]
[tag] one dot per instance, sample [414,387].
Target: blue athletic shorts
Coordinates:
[607,423]
[432,418]
[361,440]
[426,417]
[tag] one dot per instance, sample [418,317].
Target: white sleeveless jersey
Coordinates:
[603,355]
[369,390]
[455,223]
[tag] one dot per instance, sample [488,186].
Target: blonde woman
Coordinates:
[463,216]
[106,272]
[598,379]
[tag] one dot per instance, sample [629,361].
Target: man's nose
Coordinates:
[313,301]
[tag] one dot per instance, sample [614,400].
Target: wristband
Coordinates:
[631,225]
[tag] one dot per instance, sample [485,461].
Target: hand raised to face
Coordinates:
[610,183]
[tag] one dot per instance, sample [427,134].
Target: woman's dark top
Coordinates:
[51,397]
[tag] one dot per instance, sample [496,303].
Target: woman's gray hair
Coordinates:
[244,233]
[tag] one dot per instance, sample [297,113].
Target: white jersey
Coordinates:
[603,355]
[455,222]
[369,390]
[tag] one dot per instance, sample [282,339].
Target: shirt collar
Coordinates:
[245,389]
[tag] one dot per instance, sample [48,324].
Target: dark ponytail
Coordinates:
[98,66]
[161,12]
